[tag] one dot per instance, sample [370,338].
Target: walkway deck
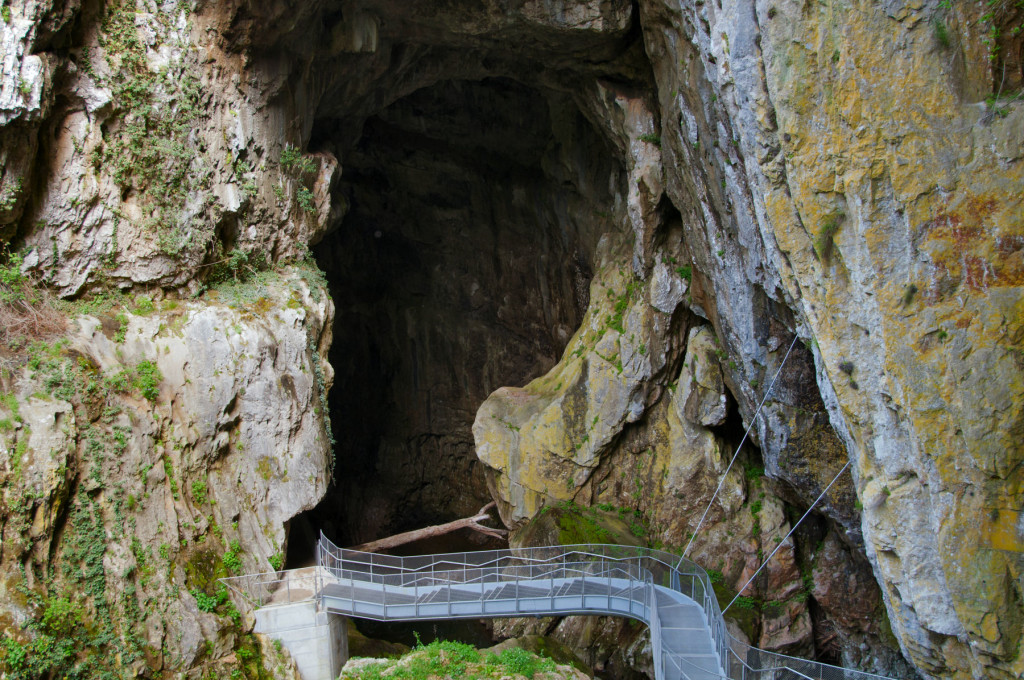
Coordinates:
[671,595]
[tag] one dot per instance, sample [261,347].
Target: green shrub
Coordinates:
[457,652]
[651,139]
[292,159]
[206,603]
[753,472]
[144,305]
[10,193]
[12,652]
[120,382]
[238,266]
[10,402]
[144,377]
[199,491]
[745,603]
[11,277]
[122,327]
[61,616]
[169,471]
[147,379]
[621,304]
[231,559]
[306,200]
[521,662]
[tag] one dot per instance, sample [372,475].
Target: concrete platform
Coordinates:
[316,639]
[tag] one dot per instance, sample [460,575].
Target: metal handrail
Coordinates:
[643,571]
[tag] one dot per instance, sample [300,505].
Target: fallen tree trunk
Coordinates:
[436,530]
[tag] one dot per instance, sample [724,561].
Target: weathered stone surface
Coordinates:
[880,203]
[544,440]
[227,447]
[701,388]
[772,168]
[99,216]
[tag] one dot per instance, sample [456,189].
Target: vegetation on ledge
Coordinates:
[446,659]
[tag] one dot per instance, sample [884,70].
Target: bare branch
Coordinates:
[473,523]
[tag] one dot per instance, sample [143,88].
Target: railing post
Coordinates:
[629,585]
[583,588]
[609,572]
[551,580]
[317,588]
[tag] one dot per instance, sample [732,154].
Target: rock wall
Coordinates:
[462,265]
[873,214]
[865,190]
[166,436]
[145,458]
[705,189]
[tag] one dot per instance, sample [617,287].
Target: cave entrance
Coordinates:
[463,263]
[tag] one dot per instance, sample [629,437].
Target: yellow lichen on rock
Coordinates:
[931,256]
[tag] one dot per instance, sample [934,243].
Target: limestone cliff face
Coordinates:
[142,462]
[838,162]
[168,434]
[886,207]
[132,145]
[626,213]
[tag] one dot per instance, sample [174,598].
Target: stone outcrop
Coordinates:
[152,157]
[883,207]
[141,456]
[809,189]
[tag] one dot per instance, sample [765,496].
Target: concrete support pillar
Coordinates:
[317,641]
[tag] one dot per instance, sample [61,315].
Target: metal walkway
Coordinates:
[672,595]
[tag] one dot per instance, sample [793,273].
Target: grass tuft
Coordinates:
[824,243]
